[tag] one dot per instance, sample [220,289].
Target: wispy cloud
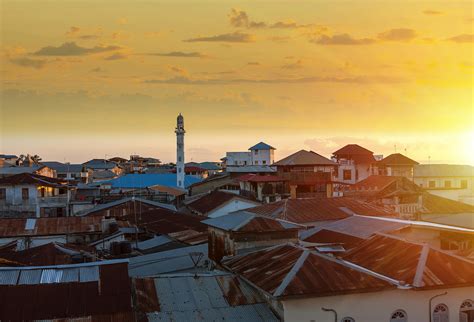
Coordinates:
[28,62]
[116,56]
[342,39]
[313,79]
[431,12]
[72,49]
[398,34]
[235,37]
[240,19]
[464,38]
[296,65]
[181,54]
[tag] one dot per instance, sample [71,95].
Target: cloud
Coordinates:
[279,38]
[398,34]
[253,63]
[464,38]
[232,37]
[296,65]
[97,70]
[432,12]
[72,49]
[342,39]
[182,54]
[240,19]
[181,80]
[73,31]
[116,56]
[28,62]
[179,70]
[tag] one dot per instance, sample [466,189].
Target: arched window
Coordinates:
[399,316]
[347,319]
[441,313]
[466,312]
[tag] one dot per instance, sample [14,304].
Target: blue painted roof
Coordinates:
[150,179]
[262,146]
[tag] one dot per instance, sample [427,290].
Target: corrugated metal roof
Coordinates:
[175,260]
[262,146]
[89,274]
[9,277]
[207,297]
[150,179]
[244,221]
[291,270]
[153,242]
[304,157]
[250,169]
[215,199]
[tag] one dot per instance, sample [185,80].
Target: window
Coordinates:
[346,174]
[347,319]
[432,184]
[25,194]
[447,184]
[399,316]
[3,193]
[466,312]
[256,162]
[463,184]
[264,162]
[256,152]
[441,313]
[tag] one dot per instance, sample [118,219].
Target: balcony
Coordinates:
[52,201]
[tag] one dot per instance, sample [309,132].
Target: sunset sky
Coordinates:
[83,79]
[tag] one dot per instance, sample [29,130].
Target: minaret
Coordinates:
[180,151]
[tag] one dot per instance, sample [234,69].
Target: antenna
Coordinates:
[395,147]
[196,258]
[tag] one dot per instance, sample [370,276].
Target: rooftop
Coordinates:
[65,291]
[213,200]
[204,297]
[416,264]
[306,211]
[49,226]
[397,159]
[443,170]
[247,222]
[293,271]
[261,146]
[351,149]
[250,169]
[304,157]
[145,180]
[63,167]
[252,177]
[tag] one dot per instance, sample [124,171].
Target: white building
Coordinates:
[452,181]
[259,154]
[180,151]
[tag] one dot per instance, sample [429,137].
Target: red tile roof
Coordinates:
[304,157]
[416,264]
[30,178]
[305,211]
[290,270]
[213,200]
[397,159]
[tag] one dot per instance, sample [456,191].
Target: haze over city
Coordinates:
[88,79]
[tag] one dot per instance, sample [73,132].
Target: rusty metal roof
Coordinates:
[417,264]
[291,270]
[213,200]
[249,222]
[32,179]
[205,297]
[306,211]
[438,205]
[330,237]
[49,226]
[65,291]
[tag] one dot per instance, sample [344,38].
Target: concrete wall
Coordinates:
[376,306]
[262,157]
[238,158]
[234,205]
[14,194]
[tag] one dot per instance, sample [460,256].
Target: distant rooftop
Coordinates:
[304,157]
[443,170]
[261,146]
[145,180]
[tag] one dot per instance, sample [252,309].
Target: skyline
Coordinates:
[82,81]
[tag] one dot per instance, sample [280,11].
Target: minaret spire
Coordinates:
[180,151]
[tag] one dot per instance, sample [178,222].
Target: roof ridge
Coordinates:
[291,274]
[420,268]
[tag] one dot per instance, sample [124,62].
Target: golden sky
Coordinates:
[84,79]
